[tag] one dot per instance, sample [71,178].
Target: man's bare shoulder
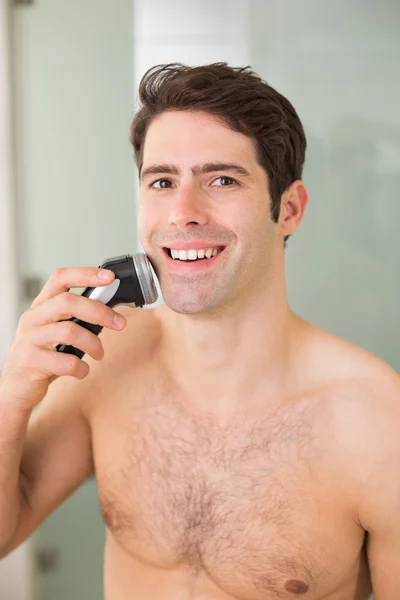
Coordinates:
[363,393]
[333,357]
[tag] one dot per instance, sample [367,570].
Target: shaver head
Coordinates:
[134,283]
[145,277]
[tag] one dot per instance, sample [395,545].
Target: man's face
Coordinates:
[190,200]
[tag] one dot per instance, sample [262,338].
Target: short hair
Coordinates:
[241,100]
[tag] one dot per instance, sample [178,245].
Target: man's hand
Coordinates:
[33,363]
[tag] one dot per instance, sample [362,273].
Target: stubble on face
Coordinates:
[239,217]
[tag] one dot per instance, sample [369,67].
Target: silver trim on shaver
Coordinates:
[145,277]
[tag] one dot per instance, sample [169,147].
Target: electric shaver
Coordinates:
[133,285]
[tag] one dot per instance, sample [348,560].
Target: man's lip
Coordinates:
[193,246]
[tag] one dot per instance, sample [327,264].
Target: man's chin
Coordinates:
[188,304]
[188,307]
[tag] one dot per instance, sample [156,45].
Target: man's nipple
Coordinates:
[295,586]
[108,520]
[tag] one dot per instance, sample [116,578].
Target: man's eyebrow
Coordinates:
[196,170]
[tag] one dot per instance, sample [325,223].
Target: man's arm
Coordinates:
[56,455]
[380,505]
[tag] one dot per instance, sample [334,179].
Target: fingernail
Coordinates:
[104,274]
[119,320]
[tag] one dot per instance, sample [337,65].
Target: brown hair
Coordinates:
[243,101]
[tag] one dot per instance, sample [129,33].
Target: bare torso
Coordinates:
[255,505]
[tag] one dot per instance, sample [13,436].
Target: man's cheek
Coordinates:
[142,227]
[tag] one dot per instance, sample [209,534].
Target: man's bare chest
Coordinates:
[248,500]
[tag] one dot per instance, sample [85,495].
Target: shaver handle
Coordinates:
[96,329]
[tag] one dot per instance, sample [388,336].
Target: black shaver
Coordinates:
[133,285]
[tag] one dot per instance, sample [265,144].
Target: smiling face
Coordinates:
[201,187]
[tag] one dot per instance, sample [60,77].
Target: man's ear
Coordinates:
[293,204]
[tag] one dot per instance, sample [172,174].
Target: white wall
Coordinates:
[15,574]
[191,32]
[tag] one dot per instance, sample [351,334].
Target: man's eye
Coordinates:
[228,181]
[160,181]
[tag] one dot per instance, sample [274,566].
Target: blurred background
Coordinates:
[69,73]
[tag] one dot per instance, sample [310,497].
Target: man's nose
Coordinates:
[188,207]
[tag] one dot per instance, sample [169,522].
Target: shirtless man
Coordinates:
[241,453]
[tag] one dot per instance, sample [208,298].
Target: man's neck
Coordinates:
[237,353]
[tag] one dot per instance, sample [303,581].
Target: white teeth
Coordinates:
[194,254]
